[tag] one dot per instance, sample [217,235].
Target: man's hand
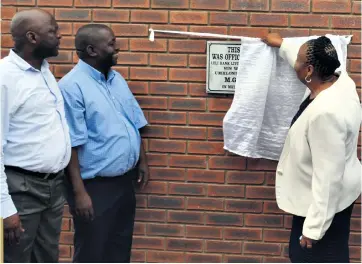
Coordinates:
[12,229]
[83,206]
[273,40]
[306,242]
[143,174]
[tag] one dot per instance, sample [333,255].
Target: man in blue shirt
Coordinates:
[107,154]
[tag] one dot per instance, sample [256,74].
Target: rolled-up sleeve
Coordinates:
[140,119]
[326,136]
[74,113]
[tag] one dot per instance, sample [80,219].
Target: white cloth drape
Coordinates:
[267,96]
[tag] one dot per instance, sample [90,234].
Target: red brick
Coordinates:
[148,73]
[7,41]
[242,259]
[331,6]
[168,60]
[141,201]
[291,6]
[4,52]
[243,206]
[228,163]
[250,5]
[354,51]
[66,238]
[249,234]
[64,251]
[187,245]
[187,132]
[146,45]
[185,161]
[205,204]
[356,210]
[309,21]
[63,57]
[157,117]
[356,224]
[169,230]
[211,148]
[185,217]
[269,20]
[138,255]
[197,61]
[357,79]
[188,17]
[164,88]
[195,75]
[288,221]
[92,3]
[65,224]
[132,3]
[206,119]
[154,132]
[186,189]
[133,30]
[356,66]
[219,104]
[264,220]
[205,176]
[220,219]
[189,104]
[223,247]
[111,15]
[156,188]
[197,89]
[203,232]
[249,31]
[61,70]
[226,18]
[356,9]
[165,202]
[157,159]
[148,243]
[170,4]
[276,235]
[152,102]
[355,239]
[203,258]
[214,133]
[138,87]
[7,12]
[261,164]
[65,29]
[276,260]
[262,248]
[5,27]
[291,32]
[18,2]
[165,257]
[260,192]
[168,146]
[242,177]
[355,252]
[226,191]
[211,5]
[187,46]
[271,208]
[207,29]
[167,174]
[72,14]
[346,22]
[149,16]
[122,71]
[140,229]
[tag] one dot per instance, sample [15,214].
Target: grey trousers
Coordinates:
[40,205]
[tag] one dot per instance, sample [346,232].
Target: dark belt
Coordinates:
[44,176]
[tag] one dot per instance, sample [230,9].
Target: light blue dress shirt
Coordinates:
[104,119]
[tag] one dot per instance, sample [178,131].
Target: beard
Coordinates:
[109,60]
[45,50]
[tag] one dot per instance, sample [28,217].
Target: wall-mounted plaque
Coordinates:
[222,66]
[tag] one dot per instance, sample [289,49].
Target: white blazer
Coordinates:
[319,174]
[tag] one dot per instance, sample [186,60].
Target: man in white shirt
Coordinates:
[35,141]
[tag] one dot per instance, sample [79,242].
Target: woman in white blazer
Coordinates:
[318,177]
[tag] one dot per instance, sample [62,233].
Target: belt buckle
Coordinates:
[47,176]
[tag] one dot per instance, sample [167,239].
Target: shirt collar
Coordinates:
[25,66]
[94,73]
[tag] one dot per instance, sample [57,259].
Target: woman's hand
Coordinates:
[273,40]
[306,242]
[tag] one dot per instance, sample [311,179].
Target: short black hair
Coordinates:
[87,35]
[322,55]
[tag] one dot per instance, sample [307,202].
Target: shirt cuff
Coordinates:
[7,209]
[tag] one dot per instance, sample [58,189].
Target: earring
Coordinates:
[308,80]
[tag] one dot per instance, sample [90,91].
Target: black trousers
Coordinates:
[40,206]
[332,248]
[108,238]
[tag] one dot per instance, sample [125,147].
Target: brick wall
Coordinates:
[202,204]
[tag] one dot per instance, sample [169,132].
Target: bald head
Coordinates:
[30,20]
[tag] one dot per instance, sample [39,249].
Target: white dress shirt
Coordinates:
[319,174]
[34,131]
